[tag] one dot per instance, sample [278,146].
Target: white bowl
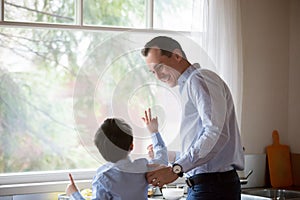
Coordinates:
[172,193]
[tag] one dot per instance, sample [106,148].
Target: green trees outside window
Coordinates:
[57,85]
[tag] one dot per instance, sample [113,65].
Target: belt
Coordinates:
[209,177]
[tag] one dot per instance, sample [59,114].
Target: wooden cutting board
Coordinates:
[279,160]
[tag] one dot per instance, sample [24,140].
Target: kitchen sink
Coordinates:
[261,194]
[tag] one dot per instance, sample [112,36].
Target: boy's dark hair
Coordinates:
[166,44]
[113,139]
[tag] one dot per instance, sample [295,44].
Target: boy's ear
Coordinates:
[131,147]
[178,54]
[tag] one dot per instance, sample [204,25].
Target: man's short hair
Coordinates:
[166,44]
[113,139]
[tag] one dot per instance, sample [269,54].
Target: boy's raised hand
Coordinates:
[71,188]
[152,123]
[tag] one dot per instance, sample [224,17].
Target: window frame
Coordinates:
[80,25]
[53,181]
[44,181]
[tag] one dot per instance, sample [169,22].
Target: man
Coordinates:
[211,147]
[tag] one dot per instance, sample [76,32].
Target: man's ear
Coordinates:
[178,54]
[131,147]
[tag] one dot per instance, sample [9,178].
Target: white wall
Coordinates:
[265,29]
[294,77]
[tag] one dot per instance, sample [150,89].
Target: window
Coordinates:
[130,13]
[56,11]
[166,15]
[56,77]
[170,15]
[65,67]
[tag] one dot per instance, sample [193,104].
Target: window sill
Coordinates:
[45,187]
[43,182]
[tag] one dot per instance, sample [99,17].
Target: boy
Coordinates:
[122,178]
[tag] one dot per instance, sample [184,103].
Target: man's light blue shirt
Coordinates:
[209,131]
[125,179]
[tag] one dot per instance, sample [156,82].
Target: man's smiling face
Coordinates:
[162,67]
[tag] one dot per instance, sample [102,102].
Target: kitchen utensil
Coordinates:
[244,179]
[279,163]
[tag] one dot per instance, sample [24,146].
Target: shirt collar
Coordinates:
[122,162]
[186,74]
[135,166]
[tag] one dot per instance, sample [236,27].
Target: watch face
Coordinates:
[177,169]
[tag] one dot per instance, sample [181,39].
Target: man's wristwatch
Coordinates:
[177,169]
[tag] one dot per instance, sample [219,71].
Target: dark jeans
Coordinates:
[216,189]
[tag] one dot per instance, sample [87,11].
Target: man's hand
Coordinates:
[152,123]
[161,176]
[71,188]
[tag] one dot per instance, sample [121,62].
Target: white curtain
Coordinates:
[217,27]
